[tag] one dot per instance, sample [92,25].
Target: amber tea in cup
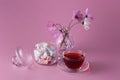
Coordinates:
[73,60]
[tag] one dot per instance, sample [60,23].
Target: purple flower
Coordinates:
[54,29]
[56,34]
[52,26]
[78,15]
[88,14]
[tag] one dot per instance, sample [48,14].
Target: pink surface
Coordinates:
[23,23]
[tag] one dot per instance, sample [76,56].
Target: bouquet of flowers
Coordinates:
[62,33]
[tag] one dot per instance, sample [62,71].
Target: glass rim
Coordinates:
[82,54]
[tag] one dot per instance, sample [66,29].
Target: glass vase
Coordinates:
[64,41]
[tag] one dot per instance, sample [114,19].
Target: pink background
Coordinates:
[23,23]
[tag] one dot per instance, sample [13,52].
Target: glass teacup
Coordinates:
[73,60]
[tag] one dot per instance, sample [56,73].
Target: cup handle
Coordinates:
[85,66]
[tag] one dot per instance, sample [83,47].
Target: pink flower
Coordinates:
[78,15]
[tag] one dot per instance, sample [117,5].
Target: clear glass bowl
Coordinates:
[22,58]
[45,53]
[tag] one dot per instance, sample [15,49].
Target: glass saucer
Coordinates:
[61,65]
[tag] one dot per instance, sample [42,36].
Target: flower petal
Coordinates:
[77,15]
[86,24]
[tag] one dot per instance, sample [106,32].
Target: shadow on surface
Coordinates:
[99,67]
